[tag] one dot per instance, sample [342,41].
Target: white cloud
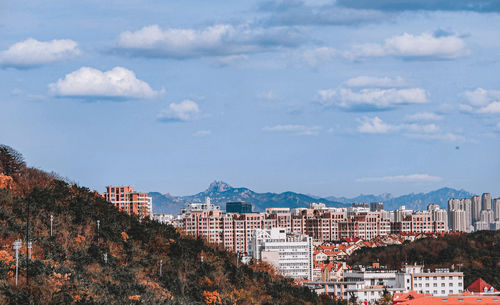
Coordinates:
[423,116]
[217,40]
[481,101]
[186,110]
[371,99]
[447,136]
[481,97]
[423,46]
[86,82]
[319,56]
[370,81]
[402,178]
[202,133]
[295,129]
[493,107]
[32,53]
[374,125]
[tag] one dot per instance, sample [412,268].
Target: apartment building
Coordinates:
[475,213]
[235,230]
[440,282]
[369,284]
[129,201]
[290,253]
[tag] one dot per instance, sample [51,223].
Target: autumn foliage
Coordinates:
[69,267]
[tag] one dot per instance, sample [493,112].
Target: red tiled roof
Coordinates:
[478,286]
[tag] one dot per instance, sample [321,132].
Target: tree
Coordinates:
[386,298]
[353,299]
[11,161]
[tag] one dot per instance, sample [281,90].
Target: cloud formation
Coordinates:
[318,56]
[202,133]
[375,125]
[423,116]
[425,46]
[90,83]
[299,12]
[402,178]
[377,82]
[186,110]
[424,5]
[33,53]
[218,40]
[482,101]
[371,99]
[295,129]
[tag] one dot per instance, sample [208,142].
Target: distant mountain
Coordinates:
[221,192]
[412,201]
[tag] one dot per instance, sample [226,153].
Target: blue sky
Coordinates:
[315,96]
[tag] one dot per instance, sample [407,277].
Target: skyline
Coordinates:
[316,97]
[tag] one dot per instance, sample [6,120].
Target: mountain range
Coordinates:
[221,192]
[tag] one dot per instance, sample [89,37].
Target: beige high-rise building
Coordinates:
[457,221]
[496,209]
[486,202]
[476,208]
[467,206]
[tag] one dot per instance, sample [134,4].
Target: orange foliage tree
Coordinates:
[212,297]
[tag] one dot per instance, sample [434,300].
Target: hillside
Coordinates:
[69,267]
[417,201]
[476,254]
[221,192]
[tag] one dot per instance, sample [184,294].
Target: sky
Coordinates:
[314,96]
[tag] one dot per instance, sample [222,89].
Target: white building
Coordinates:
[164,218]
[290,253]
[441,282]
[369,285]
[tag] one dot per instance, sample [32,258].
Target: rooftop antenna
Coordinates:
[17,246]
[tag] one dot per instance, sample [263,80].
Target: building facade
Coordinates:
[133,203]
[290,253]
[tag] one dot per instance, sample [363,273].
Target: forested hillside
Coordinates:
[476,254]
[69,267]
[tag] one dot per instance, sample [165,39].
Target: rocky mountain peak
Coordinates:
[218,187]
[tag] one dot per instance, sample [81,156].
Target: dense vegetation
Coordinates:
[476,254]
[69,267]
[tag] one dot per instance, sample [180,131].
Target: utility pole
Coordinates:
[17,246]
[98,231]
[30,245]
[27,242]
[161,263]
[51,221]
[106,258]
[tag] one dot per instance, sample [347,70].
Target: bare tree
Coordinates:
[11,161]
